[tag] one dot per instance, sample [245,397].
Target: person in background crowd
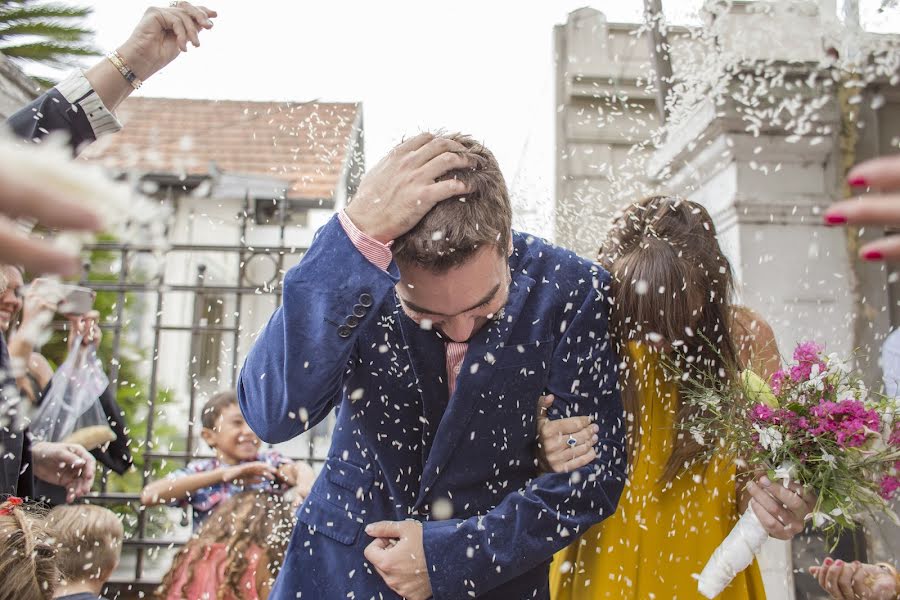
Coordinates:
[20,197]
[66,465]
[237,553]
[879,209]
[81,106]
[857,581]
[88,542]
[239,464]
[27,553]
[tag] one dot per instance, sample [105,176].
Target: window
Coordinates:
[295,211]
[209,310]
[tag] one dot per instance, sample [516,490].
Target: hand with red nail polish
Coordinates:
[881,175]
[856,580]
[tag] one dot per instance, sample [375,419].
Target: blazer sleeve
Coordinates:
[294,373]
[467,558]
[71,108]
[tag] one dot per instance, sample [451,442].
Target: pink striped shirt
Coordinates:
[380,255]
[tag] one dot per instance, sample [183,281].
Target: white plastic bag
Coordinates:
[73,400]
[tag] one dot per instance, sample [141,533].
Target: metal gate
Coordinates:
[149,531]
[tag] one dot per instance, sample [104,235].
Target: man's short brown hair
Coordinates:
[456,228]
[88,541]
[214,407]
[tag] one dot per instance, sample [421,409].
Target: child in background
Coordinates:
[88,543]
[27,555]
[238,465]
[236,554]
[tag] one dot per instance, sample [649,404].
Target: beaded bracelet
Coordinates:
[119,63]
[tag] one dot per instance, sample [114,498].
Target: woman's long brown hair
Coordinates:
[250,518]
[671,286]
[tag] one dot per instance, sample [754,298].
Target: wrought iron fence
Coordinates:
[143,540]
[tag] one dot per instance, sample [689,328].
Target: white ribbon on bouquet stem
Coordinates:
[733,555]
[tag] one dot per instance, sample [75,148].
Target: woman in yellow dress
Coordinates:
[672,286]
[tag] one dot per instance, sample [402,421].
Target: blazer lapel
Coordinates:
[473,382]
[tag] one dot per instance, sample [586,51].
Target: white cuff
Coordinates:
[78,91]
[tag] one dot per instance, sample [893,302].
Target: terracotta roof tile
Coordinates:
[303,143]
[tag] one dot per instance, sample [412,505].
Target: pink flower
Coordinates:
[777,381]
[847,421]
[808,351]
[762,414]
[806,354]
[889,486]
[894,440]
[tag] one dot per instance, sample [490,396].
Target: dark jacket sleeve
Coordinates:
[50,113]
[117,455]
[15,449]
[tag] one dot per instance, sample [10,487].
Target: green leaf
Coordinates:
[27,11]
[48,52]
[48,29]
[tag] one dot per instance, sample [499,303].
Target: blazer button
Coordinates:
[359,311]
[365,299]
[351,321]
[344,331]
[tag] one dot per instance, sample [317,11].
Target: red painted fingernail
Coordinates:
[873,255]
[857,181]
[834,219]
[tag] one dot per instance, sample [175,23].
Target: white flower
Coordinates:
[816,379]
[828,458]
[697,434]
[819,519]
[785,472]
[769,438]
[836,365]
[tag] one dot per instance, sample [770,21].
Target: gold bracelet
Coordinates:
[119,63]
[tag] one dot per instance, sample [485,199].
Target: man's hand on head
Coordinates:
[397,192]
[398,554]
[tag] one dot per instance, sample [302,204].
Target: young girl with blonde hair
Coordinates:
[237,552]
[27,553]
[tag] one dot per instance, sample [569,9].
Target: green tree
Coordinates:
[45,33]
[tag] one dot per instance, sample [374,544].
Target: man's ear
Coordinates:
[209,436]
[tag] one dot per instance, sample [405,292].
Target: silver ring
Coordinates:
[572,442]
[174,3]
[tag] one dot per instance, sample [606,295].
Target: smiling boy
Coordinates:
[239,465]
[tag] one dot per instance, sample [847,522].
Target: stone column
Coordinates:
[605,107]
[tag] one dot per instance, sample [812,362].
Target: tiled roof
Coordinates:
[305,144]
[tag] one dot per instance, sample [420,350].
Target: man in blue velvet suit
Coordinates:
[433,328]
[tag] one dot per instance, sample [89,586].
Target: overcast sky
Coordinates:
[484,67]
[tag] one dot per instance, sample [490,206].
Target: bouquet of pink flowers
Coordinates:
[813,423]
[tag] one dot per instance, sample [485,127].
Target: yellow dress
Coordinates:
[662,534]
